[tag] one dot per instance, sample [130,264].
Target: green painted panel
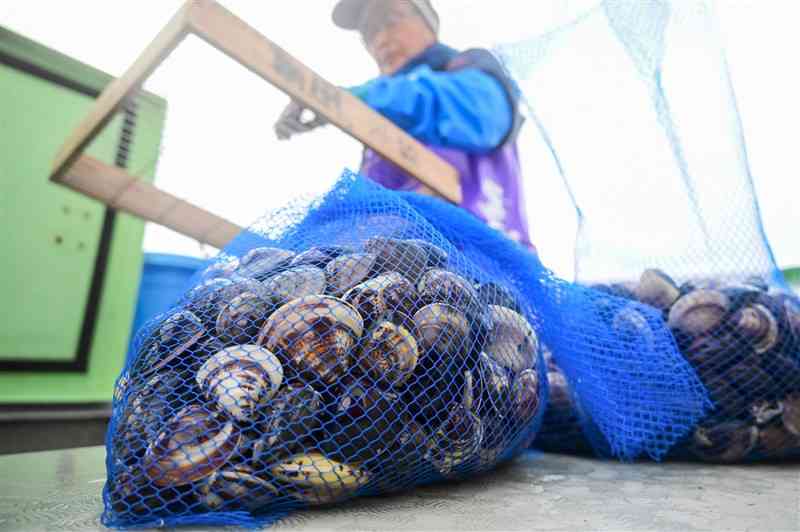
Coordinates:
[792,276]
[53,250]
[50,234]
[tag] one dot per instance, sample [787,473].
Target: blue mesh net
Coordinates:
[339,347]
[634,101]
[638,394]
[364,342]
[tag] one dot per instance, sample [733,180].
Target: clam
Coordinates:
[235,487]
[784,371]
[494,403]
[289,417]
[239,321]
[320,496]
[205,349]
[632,325]
[494,387]
[388,354]
[404,256]
[240,378]
[435,390]
[765,411]
[741,295]
[319,256]
[296,282]
[686,287]
[131,492]
[181,329]
[791,413]
[389,292]
[489,457]
[319,479]
[150,404]
[616,290]
[549,359]
[222,268]
[437,257]
[758,326]
[559,396]
[458,439]
[775,441]
[790,310]
[204,299]
[604,307]
[728,400]
[121,386]
[405,460]
[726,442]
[442,328]
[178,333]
[699,312]
[526,395]
[367,422]
[495,294]
[513,342]
[346,271]
[191,446]
[709,353]
[316,333]
[241,286]
[442,286]
[259,263]
[657,289]
[752,382]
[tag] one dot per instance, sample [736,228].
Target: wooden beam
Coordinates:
[233,36]
[121,88]
[118,189]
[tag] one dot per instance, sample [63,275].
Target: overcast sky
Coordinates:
[219,150]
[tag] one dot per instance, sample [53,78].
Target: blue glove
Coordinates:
[465,109]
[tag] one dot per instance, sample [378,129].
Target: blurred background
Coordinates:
[204,133]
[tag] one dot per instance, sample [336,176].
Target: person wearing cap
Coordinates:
[461,105]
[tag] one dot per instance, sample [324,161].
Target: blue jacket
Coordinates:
[444,108]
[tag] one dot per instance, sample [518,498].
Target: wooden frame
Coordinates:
[231,35]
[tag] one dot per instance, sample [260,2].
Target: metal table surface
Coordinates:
[60,490]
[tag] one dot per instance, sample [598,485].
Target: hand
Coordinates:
[291,121]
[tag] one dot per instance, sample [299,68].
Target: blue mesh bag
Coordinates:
[339,347]
[635,104]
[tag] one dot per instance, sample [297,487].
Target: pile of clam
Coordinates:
[308,377]
[743,340]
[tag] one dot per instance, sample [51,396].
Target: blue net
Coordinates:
[339,347]
[637,394]
[634,102]
[363,342]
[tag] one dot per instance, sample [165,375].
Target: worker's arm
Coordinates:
[466,109]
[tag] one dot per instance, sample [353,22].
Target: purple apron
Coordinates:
[490,184]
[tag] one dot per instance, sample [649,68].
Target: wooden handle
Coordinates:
[121,88]
[233,36]
[118,189]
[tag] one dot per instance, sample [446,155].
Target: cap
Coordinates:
[347,13]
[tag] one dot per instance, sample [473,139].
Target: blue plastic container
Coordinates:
[165,278]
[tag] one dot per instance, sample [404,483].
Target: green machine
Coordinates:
[70,271]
